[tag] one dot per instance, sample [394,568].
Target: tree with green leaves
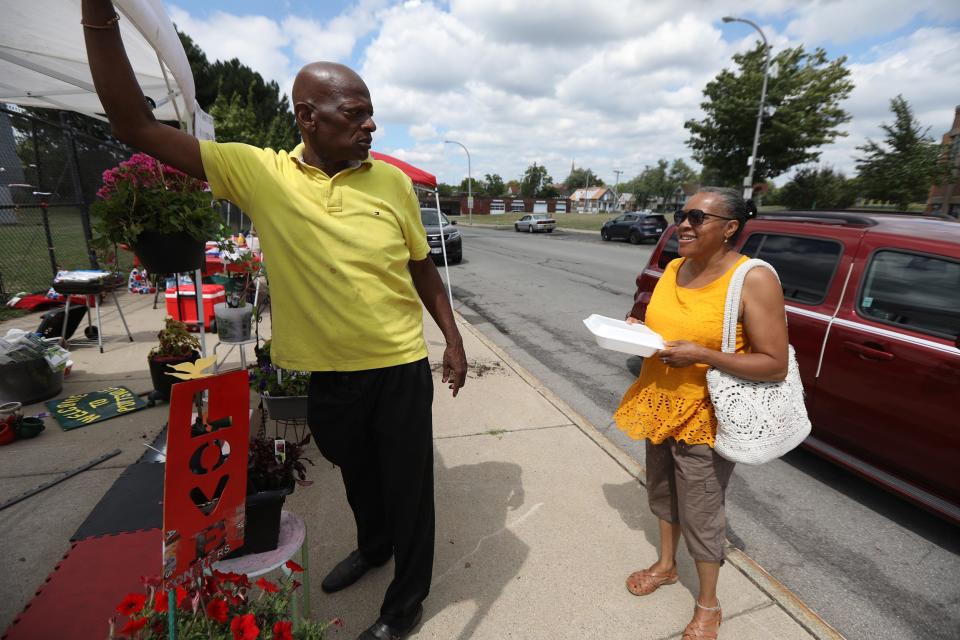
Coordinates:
[535,180]
[445,190]
[580,178]
[802,114]
[817,188]
[493,185]
[230,79]
[905,164]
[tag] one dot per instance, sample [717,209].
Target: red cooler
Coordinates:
[212,294]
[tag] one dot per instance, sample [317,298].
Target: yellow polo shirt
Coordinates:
[336,248]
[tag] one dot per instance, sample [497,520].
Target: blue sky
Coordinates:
[605,85]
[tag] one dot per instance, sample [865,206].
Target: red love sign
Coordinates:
[205,485]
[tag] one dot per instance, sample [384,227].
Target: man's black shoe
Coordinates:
[380,630]
[347,571]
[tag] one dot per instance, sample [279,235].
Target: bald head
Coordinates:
[319,80]
[334,114]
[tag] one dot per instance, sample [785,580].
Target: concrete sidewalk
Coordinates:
[539,519]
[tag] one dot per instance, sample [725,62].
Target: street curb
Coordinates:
[791,604]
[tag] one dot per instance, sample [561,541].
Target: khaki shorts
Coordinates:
[686,484]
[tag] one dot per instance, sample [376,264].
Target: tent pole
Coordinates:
[443,246]
[172,95]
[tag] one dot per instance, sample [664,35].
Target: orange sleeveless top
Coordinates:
[667,402]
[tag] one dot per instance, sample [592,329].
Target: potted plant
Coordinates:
[163,214]
[216,606]
[284,392]
[240,267]
[274,468]
[176,345]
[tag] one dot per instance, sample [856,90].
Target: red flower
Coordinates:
[217,610]
[133,626]
[267,586]
[283,630]
[160,602]
[293,566]
[244,627]
[132,604]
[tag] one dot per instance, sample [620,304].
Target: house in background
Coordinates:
[945,198]
[626,202]
[594,200]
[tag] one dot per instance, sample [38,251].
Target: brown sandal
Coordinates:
[645,582]
[703,629]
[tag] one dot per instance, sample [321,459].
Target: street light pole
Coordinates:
[469,181]
[748,183]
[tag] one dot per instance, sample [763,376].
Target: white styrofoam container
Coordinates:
[617,335]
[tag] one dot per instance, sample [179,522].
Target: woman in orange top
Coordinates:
[669,405]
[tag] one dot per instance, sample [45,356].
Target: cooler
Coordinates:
[212,294]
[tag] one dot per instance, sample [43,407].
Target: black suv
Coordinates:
[635,226]
[451,236]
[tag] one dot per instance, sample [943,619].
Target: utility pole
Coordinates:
[616,190]
[748,181]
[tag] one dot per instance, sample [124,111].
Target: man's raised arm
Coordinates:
[126,108]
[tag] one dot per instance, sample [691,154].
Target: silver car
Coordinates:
[535,222]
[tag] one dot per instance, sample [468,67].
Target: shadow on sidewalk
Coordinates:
[477,553]
[630,501]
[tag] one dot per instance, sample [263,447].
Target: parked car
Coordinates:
[873,305]
[451,236]
[635,227]
[534,222]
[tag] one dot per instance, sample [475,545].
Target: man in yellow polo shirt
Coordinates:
[349,269]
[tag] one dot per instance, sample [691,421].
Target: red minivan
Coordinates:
[873,302]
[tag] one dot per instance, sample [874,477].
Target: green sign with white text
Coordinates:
[82,409]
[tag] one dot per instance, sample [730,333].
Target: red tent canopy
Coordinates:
[419,177]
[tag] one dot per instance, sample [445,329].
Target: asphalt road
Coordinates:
[870,564]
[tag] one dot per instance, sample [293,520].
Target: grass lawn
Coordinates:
[24,258]
[587,221]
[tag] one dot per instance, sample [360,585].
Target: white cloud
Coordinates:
[846,21]
[257,41]
[924,67]
[607,85]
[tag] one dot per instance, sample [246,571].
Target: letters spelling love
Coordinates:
[205,487]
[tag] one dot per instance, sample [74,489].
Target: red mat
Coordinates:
[81,595]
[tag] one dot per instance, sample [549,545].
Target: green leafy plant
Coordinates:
[240,270]
[175,340]
[217,606]
[267,471]
[143,194]
[268,379]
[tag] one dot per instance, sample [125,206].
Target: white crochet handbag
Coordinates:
[756,421]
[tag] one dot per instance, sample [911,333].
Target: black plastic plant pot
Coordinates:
[285,407]
[262,530]
[166,253]
[29,381]
[159,370]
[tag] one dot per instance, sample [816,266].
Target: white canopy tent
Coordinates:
[43,62]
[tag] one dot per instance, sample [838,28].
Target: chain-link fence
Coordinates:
[49,175]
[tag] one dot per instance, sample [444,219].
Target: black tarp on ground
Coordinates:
[133,503]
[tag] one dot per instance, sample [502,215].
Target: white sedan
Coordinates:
[535,222]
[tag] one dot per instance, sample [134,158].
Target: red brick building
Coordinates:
[945,198]
[457,205]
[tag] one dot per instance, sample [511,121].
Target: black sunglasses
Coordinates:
[696,217]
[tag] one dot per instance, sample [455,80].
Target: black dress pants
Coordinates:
[377,427]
